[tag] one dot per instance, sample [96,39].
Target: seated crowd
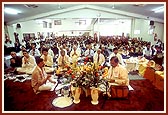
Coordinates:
[66,50]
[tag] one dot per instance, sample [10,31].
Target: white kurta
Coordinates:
[49,61]
[29,66]
[101,58]
[87,52]
[119,74]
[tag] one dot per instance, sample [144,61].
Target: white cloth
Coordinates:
[29,66]
[8,44]
[36,52]
[49,61]
[50,52]
[101,58]
[91,53]
[147,52]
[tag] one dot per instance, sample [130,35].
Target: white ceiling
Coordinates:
[55,10]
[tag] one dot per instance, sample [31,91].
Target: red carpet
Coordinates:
[20,97]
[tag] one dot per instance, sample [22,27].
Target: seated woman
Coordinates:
[40,81]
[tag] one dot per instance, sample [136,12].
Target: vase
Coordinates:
[76,91]
[95,96]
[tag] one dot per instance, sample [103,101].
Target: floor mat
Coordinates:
[135,77]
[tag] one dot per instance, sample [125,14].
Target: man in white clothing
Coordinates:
[117,72]
[28,63]
[89,52]
[115,53]
[98,57]
[63,59]
[34,52]
[48,59]
[75,54]
[147,52]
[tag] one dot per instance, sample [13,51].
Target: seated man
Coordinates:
[28,63]
[63,59]
[115,53]
[104,51]
[34,51]
[89,53]
[117,72]
[119,75]
[15,61]
[40,78]
[21,51]
[75,54]
[48,59]
[98,57]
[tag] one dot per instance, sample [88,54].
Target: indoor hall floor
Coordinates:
[19,96]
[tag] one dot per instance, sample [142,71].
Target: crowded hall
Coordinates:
[78,57]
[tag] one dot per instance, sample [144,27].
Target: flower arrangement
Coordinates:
[87,75]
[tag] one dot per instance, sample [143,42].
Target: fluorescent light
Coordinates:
[11,11]
[159,9]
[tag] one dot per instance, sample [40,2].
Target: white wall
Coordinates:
[144,27]
[33,27]
[11,33]
[68,26]
[71,27]
[159,29]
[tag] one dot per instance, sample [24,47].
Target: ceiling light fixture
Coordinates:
[159,9]
[11,11]
[59,6]
[139,5]
[31,5]
[113,6]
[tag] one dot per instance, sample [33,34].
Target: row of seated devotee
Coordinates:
[79,49]
[88,47]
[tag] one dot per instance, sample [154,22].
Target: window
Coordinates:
[44,24]
[50,25]
[57,22]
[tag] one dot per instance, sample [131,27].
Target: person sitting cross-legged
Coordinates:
[98,57]
[40,80]
[117,72]
[48,59]
[28,63]
[63,59]
[118,75]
